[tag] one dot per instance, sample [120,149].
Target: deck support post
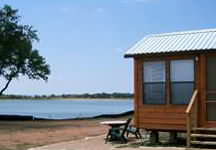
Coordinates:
[173,137]
[188,134]
[154,137]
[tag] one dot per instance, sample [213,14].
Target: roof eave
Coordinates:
[195,52]
[129,55]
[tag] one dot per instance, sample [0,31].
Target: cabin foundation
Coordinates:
[173,137]
[154,137]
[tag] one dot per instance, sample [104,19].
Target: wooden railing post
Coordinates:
[191,114]
[195,114]
[188,130]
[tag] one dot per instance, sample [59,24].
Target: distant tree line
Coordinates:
[68,96]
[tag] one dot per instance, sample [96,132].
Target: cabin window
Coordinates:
[182,81]
[154,82]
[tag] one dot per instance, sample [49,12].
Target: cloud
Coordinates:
[100,10]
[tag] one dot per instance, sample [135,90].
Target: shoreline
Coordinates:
[32,118]
[72,99]
[23,135]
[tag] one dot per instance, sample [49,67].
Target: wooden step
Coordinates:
[203,143]
[204,129]
[203,135]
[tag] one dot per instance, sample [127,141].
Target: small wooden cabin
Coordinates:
[175,82]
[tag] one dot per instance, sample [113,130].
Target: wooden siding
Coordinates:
[162,117]
[136,88]
[157,117]
[202,91]
[169,116]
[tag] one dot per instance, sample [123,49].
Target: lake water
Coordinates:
[64,109]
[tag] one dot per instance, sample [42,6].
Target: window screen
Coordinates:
[154,82]
[182,81]
[211,74]
[211,88]
[211,111]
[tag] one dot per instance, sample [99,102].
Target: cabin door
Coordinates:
[211,89]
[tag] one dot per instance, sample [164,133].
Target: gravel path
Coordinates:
[96,143]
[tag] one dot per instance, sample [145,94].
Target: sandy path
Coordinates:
[96,143]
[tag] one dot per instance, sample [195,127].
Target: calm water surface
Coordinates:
[64,109]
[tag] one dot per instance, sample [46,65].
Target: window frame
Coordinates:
[173,82]
[168,90]
[157,82]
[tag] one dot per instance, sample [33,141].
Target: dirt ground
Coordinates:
[21,135]
[97,143]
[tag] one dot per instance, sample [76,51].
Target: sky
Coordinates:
[84,41]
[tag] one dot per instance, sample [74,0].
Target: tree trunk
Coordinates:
[6,86]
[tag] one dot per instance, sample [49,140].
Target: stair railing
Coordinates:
[191,116]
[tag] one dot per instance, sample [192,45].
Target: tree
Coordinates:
[17,56]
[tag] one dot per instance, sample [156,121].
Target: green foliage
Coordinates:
[71,96]
[17,56]
[98,95]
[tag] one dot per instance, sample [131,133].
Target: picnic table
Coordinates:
[115,132]
[114,124]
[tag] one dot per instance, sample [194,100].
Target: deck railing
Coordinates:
[191,114]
